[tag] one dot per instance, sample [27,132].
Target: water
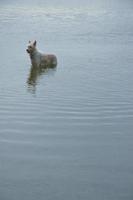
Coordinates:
[66,133]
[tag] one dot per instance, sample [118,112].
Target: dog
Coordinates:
[39,59]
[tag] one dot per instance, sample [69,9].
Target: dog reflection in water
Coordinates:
[41,63]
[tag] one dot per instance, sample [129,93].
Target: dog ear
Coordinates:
[29,41]
[34,43]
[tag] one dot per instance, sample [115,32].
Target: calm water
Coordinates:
[66,134]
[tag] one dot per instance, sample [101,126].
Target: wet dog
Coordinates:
[39,59]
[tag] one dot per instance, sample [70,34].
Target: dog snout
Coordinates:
[27,50]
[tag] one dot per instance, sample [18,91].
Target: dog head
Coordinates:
[31,47]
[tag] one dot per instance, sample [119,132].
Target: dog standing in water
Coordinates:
[39,59]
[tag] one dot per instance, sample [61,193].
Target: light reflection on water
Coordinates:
[66,133]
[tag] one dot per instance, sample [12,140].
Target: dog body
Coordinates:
[39,59]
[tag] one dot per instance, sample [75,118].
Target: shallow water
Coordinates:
[66,133]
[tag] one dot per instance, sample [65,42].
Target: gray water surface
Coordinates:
[66,133]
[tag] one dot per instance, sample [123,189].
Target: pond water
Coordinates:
[66,133]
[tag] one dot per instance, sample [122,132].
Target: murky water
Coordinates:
[66,133]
